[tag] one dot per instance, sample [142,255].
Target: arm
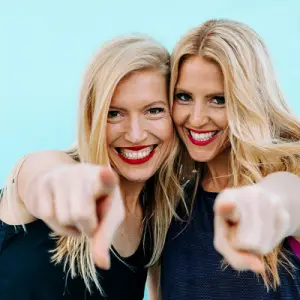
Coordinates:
[153,283]
[21,178]
[252,220]
[51,186]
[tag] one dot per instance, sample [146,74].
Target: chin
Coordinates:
[202,156]
[136,177]
[138,173]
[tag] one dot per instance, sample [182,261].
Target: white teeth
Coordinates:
[131,154]
[202,136]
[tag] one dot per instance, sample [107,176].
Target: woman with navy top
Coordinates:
[240,240]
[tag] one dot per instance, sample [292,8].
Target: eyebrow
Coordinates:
[160,102]
[218,94]
[180,90]
[214,94]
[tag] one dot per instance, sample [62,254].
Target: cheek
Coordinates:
[179,114]
[112,132]
[163,129]
[221,119]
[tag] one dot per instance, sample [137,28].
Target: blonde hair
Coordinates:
[116,60]
[263,132]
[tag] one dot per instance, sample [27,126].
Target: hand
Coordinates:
[249,222]
[79,199]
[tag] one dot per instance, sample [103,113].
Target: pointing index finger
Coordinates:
[227,209]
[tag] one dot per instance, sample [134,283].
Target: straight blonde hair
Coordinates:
[115,60]
[263,132]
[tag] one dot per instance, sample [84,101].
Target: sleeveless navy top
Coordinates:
[27,273]
[191,267]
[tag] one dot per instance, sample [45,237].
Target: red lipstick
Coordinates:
[201,143]
[136,161]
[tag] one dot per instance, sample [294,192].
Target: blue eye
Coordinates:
[219,100]
[156,110]
[113,114]
[184,97]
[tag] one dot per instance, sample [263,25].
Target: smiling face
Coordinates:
[199,111]
[139,125]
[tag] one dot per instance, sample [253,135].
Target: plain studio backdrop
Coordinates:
[45,46]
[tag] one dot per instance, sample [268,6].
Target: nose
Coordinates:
[135,132]
[198,116]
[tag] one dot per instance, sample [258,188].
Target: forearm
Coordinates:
[287,186]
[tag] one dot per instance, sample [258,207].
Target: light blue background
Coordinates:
[45,45]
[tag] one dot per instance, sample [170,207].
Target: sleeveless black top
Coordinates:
[26,272]
[191,267]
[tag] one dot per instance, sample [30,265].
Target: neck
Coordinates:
[217,174]
[131,194]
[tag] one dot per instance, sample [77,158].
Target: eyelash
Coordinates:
[179,97]
[151,111]
[109,116]
[159,109]
[219,98]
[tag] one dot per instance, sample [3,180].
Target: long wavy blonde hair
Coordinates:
[115,60]
[263,132]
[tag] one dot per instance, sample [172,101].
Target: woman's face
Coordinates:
[199,111]
[139,125]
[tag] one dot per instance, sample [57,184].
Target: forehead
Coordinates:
[141,88]
[196,71]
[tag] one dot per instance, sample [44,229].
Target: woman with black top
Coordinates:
[57,214]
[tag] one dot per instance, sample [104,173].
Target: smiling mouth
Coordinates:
[136,155]
[202,138]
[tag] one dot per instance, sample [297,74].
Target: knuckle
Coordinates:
[82,207]
[82,214]
[63,219]
[46,179]
[82,218]
[273,200]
